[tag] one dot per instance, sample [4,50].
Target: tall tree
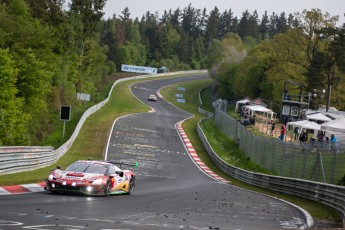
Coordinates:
[175,18]
[48,11]
[212,26]
[282,24]
[90,12]
[248,25]
[226,24]
[108,37]
[264,26]
[188,17]
[202,22]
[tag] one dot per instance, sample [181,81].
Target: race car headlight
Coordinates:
[97,182]
[88,188]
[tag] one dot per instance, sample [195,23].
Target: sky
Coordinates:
[138,8]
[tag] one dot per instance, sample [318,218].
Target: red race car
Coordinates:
[92,178]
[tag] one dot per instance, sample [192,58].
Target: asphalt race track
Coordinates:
[171,192]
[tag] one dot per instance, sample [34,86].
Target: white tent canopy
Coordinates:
[261,109]
[243,102]
[305,124]
[317,117]
[334,125]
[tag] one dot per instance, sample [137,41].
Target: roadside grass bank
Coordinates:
[93,136]
[322,214]
[55,137]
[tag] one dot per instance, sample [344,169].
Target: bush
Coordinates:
[112,67]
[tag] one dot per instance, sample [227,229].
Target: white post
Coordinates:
[64,126]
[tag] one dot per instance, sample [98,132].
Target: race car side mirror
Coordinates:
[58,167]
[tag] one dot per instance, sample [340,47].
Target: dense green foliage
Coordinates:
[50,50]
[310,50]
[47,56]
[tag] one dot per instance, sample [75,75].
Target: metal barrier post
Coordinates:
[321,164]
[304,163]
[333,165]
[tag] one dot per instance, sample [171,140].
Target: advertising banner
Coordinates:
[138,69]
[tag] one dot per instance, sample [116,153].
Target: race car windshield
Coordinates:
[87,168]
[96,168]
[78,167]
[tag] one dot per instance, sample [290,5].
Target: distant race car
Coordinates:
[92,178]
[152,97]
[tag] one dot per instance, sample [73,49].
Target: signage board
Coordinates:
[181,88]
[179,95]
[83,96]
[65,113]
[181,100]
[138,69]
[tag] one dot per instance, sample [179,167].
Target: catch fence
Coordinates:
[314,161]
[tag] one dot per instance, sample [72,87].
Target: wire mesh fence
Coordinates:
[315,161]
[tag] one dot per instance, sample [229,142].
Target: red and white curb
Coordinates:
[195,156]
[19,189]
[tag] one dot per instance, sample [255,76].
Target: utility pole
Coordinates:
[329,89]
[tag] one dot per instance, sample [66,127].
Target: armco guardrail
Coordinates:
[19,158]
[24,158]
[330,195]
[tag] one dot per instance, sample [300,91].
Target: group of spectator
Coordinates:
[320,137]
[303,136]
[248,119]
[282,129]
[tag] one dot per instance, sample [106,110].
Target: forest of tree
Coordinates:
[49,52]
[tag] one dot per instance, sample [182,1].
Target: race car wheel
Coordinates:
[131,185]
[132,181]
[107,188]
[130,189]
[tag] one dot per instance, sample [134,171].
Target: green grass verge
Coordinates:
[320,213]
[228,150]
[55,137]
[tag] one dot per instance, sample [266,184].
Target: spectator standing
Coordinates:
[303,137]
[321,136]
[252,120]
[282,132]
[273,126]
[333,141]
[246,120]
[296,131]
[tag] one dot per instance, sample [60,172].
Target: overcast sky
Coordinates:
[138,8]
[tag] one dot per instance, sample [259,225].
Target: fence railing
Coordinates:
[16,159]
[321,163]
